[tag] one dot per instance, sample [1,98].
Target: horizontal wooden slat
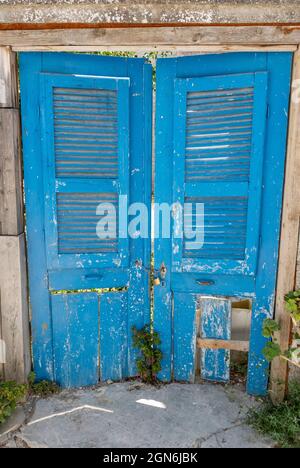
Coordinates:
[217,189]
[140,51]
[78,151]
[77,223]
[224,227]
[216,150]
[223,344]
[167,36]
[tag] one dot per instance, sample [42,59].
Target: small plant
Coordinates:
[271,327]
[43,388]
[239,370]
[148,363]
[11,394]
[281,422]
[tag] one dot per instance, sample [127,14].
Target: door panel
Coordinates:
[219,136]
[75,339]
[82,170]
[87,124]
[114,335]
[218,144]
[215,323]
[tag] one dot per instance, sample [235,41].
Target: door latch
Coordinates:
[160,279]
[163,271]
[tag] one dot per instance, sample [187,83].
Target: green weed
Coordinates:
[281,422]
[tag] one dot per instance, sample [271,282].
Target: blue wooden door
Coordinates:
[220,155]
[87,154]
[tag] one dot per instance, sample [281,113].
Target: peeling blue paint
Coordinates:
[265,78]
[78,338]
[215,323]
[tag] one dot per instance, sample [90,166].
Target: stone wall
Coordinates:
[146,11]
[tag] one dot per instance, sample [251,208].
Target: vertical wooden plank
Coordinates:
[41,322]
[13,275]
[113,336]
[140,192]
[8,78]
[215,323]
[289,236]
[14,307]
[11,200]
[2,347]
[185,337]
[163,194]
[76,339]
[279,66]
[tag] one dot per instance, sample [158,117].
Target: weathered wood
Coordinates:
[223,344]
[298,268]
[289,237]
[173,50]
[14,307]
[156,36]
[14,330]
[185,335]
[2,348]
[8,78]
[11,196]
[215,324]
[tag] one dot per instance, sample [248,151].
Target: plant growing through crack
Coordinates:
[147,341]
[281,422]
[12,393]
[271,328]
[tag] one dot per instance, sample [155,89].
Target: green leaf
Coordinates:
[271,351]
[10,394]
[270,327]
[296,315]
[292,305]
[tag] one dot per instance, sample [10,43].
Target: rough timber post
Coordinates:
[14,324]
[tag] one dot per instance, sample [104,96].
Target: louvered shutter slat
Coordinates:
[219,128]
[87,123]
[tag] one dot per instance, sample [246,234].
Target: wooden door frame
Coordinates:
[182,40]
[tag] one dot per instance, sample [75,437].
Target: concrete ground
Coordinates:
[132,415]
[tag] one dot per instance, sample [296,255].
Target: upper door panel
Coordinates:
[219,136]
[85,124]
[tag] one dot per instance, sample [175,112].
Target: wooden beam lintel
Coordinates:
[174,49]
[272,35]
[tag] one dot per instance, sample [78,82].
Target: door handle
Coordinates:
[93,276]
[205,282]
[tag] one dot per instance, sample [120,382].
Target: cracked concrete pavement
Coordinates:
[132,415]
